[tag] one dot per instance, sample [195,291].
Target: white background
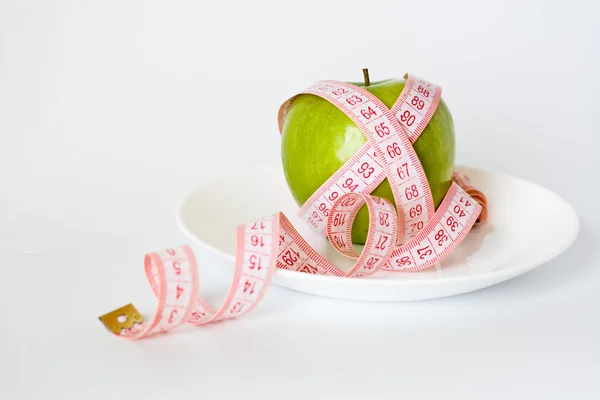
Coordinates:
[112,111]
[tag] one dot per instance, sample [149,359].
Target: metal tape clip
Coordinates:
[122,318]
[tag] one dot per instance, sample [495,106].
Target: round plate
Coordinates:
[527,226]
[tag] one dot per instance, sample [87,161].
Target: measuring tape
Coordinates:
[408,235]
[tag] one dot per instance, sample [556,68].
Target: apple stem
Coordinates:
[366,75]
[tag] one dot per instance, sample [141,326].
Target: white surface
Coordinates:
[527,226]
[106,125]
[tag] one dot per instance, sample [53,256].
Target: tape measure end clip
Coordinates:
[121,318]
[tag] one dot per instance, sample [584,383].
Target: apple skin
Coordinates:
[317,139]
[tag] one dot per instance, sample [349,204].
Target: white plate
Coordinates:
[527,226]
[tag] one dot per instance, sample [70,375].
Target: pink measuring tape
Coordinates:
[409,235]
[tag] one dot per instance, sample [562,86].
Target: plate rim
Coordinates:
[515,270]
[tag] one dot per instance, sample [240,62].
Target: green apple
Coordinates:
[317,139]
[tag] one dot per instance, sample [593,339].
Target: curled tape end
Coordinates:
[465,183]
[121,318]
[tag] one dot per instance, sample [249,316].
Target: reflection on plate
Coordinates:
[527,226]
